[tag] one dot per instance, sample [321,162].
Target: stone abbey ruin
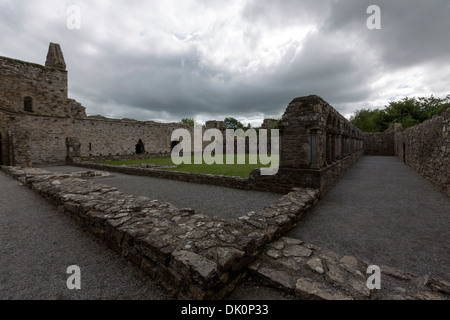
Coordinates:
[191,255]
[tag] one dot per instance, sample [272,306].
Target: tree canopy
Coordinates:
[190,122]
[232,123]
[408,111]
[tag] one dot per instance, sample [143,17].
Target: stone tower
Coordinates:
[55,58]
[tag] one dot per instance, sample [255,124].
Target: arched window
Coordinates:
[28,104]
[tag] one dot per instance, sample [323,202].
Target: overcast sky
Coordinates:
[167,60]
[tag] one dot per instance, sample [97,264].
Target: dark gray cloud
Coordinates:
[167,60]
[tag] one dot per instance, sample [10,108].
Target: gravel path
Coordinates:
[210,200]
[384,211]
[38,243]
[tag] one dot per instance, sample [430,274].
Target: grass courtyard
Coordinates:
[236,170]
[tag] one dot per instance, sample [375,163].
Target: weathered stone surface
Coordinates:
[316,265]
[277,278]
[278,245]
[291,241]
[292,263]
[196,263]
[425,148]
[398,274]
[327,275]
[307,289]
[348,280]
[296,251]
[350,261]
[437,284]
[275,254]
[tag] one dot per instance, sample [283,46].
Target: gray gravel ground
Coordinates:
[38,243]
[384,211]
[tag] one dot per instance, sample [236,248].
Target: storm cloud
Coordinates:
[167,60]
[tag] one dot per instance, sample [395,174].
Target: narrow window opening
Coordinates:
[28,104]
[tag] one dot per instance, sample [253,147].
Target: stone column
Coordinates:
[347,146]
[314,149]
[333,147]
[328,151]
[339,147]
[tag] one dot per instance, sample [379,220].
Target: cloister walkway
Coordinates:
[387,213]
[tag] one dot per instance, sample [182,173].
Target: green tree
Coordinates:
[190,122]
[407,111]
[232,123]
[366,120]
[434,106]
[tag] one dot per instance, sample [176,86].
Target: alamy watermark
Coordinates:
[213,153]
[374,281]
[74,280]
[374,21]
[73,21]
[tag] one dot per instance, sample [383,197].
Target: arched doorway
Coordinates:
[140,147]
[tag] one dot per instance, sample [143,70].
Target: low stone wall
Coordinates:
[191,255]
[313,273]
[219,180]
[119,157]
[283,182]
[323,179]
[426,148]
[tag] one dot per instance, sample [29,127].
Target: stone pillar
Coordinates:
[328,151]
[339,147]
[345,146]
[314,149]
[333,148]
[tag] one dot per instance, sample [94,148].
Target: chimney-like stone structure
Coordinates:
[55,58]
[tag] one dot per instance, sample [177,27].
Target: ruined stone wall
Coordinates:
[108,137]
[426,148]
[379,144]
[46,87]
[30,140]
[317,146]
[34,112]
[42,140]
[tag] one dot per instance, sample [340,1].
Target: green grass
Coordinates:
[236,170]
